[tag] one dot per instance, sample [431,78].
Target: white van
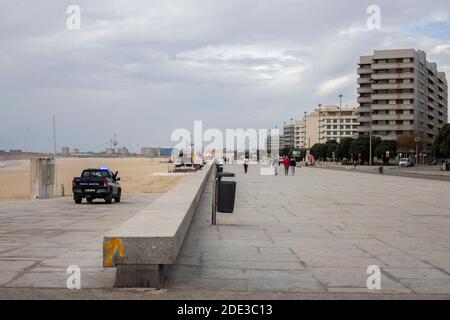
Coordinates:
[406,162]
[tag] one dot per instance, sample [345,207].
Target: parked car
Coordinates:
[97,184]
[406,162]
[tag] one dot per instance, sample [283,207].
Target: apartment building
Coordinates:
[401,92]
[326,124]
[287,138]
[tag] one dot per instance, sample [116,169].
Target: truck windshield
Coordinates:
[95,174]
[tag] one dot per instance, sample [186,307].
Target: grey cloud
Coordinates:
[147,67]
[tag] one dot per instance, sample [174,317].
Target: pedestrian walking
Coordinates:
[293,165]
[246,165]
[275,165]
[286,163]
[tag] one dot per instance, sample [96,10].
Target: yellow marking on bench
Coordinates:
[112,246]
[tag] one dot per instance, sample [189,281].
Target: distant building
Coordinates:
[65,151]
[110,151]
[326,124]
[288,135]
[151,152]
[123,151]
[165,152]
[400,92]
[281,142]
[15,151]
[273,141]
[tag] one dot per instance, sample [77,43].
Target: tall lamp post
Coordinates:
[370,138]
[320,122]
[370,131]
[340,116]
[292,135]
[417,140]
[304,139]
[277,140]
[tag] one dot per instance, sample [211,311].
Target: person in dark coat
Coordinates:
[246,163]
[293,165]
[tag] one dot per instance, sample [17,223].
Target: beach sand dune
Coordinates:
[136,175]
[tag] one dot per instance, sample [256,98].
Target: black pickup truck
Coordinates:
[97,184]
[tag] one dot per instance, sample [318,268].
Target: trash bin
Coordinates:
[226,196]
[219,168]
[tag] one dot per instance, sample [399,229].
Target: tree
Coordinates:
[406,143]
[384,147]
[332,149]
[344,150]
[315,151]
[285,151]
[360,147]
[441,145]
[319,151]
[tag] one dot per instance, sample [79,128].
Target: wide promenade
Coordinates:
[319,231]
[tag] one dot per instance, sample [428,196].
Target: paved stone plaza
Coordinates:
[315,233]
[318,232]
[39,240]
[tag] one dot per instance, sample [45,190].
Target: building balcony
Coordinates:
[364,109]
[387,117]
[364,80]
[391,127]
[365,90]
[383,66]
[393,96]
[392,86]
[364,119]
[364,100]
[364,70]
[392,107]
[389,76]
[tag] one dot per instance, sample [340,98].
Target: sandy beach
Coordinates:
[137,175]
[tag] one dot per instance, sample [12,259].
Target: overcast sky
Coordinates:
[142,68]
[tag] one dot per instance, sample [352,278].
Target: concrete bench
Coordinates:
[141,247]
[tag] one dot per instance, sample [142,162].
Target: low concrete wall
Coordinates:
[141,246]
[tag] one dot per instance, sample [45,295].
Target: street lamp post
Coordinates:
[292,133]
[340,116]
[304,140]
[370,132]
[417,140]
[370,138]
[320,123]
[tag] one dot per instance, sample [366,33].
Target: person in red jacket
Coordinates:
[286,163]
